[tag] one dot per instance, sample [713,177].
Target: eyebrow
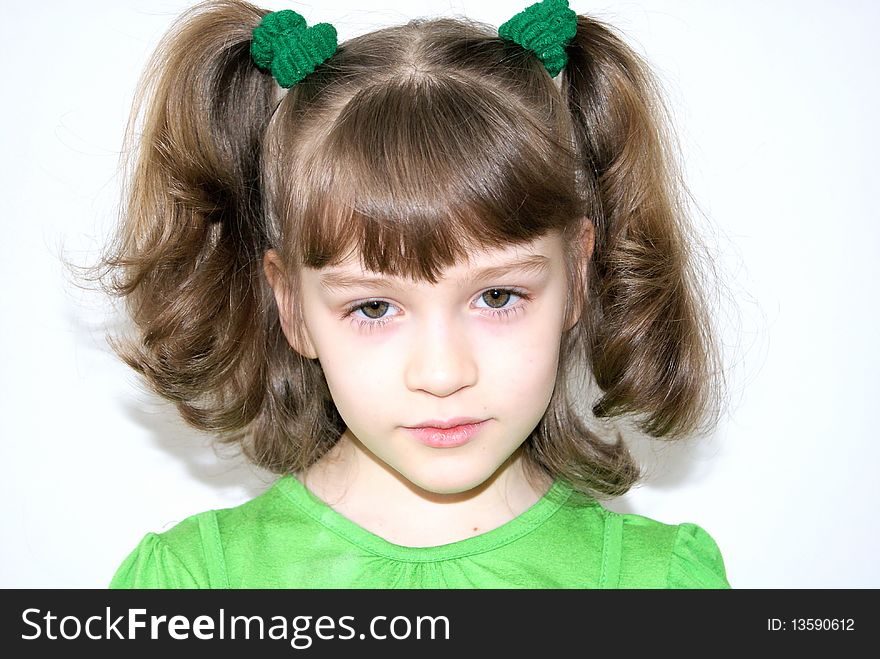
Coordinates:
[533,263]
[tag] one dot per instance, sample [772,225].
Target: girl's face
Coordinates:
[482,343]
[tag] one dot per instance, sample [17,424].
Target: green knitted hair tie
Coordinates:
[282,44]
[545,28]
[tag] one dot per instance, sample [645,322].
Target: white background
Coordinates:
[775,104]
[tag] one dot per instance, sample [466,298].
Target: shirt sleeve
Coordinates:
[152,564]
[696,561]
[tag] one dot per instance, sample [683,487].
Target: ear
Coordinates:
[587,243]
[279,283]
[588,239]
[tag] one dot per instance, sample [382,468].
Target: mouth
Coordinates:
[449,437]
[448,423]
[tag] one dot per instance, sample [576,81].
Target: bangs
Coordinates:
[416,175]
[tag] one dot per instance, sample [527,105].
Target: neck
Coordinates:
[359,486]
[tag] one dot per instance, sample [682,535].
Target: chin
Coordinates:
[457,482]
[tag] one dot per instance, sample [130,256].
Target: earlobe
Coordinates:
[588,243]
[589,239]
[307,349]
[300,341]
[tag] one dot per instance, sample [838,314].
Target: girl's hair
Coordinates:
[412,147]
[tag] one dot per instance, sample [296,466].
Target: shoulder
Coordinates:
[654,554]
[172,559]
[190,554]
[696,560]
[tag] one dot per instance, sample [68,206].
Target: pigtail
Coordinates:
[187,258]
[651,348]
[643,331]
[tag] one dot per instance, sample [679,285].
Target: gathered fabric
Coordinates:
[289,538]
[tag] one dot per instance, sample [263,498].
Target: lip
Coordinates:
[449,437]
[448,423]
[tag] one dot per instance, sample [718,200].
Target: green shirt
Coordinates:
[288,538]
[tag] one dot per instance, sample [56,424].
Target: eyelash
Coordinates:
[376,323]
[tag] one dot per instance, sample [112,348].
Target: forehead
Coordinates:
[537,256]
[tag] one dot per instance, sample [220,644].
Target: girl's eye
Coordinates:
[373,314]
[497,300]
[496,296]
[378,307]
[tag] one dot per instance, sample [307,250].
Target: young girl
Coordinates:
[377,266]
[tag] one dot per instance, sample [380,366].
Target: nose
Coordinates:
[441,358]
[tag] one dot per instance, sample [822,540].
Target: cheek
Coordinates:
[359,379]
[361,398]
[532,344]
[523,366]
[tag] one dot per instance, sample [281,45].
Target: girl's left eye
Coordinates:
[494,295]
[496,298]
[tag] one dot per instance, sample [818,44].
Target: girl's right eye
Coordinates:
[369,308]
